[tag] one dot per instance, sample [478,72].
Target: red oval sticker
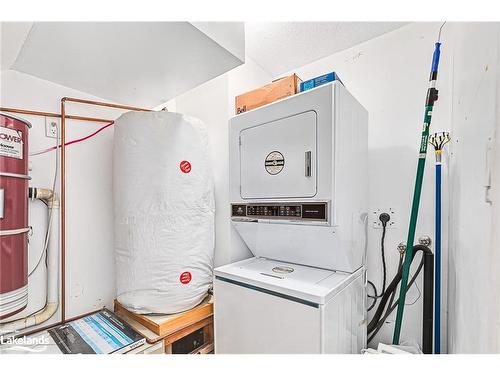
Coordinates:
[185,277]
[185,166]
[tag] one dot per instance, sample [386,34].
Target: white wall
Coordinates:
[90,281]
[495,196]
[474,257]
[213,103]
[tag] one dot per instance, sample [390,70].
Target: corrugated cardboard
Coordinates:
[281,88]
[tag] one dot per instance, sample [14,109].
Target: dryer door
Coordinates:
[278,158]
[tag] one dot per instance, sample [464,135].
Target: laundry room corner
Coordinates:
[269,180]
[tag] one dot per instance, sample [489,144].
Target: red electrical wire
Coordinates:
[73,141]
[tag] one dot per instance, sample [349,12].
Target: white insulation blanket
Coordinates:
[163,210]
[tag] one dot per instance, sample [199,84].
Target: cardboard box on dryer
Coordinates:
[278,89]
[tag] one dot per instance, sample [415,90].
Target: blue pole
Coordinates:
[438,140]
[437,284]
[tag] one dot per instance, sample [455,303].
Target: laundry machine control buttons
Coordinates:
[295,211]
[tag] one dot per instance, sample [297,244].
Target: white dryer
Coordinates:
[298,188]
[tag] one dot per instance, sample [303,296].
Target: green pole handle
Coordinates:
[432,96]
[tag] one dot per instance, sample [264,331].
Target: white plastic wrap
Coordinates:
[164,212]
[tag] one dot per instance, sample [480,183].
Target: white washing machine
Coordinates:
[298,188]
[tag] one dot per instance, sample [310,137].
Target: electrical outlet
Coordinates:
[377,224]
[51,126]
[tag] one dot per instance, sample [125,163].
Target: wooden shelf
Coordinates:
[173,327]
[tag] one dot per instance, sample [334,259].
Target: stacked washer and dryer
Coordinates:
[299,199]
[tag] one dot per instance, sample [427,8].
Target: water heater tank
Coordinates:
[13,214]
[164,212]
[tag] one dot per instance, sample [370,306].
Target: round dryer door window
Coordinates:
[275,162]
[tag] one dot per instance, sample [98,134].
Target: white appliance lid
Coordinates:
[306,284]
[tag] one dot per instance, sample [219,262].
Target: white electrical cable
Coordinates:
[49,226]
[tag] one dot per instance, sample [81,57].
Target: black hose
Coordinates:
[393,295]
[428,304]
[427,263]
[391,307]
[400,265]
[390,289]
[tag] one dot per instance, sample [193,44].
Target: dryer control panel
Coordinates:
[316,211]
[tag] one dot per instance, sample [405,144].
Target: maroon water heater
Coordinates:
[13,214]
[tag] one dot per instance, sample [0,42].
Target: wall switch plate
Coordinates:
[375,213]
[51,127]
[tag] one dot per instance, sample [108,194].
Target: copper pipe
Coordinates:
[63,116]
[63,183]
[104,104]
[52,114]
[63,213]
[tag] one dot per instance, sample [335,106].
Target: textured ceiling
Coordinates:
[81,57]
[279,47]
